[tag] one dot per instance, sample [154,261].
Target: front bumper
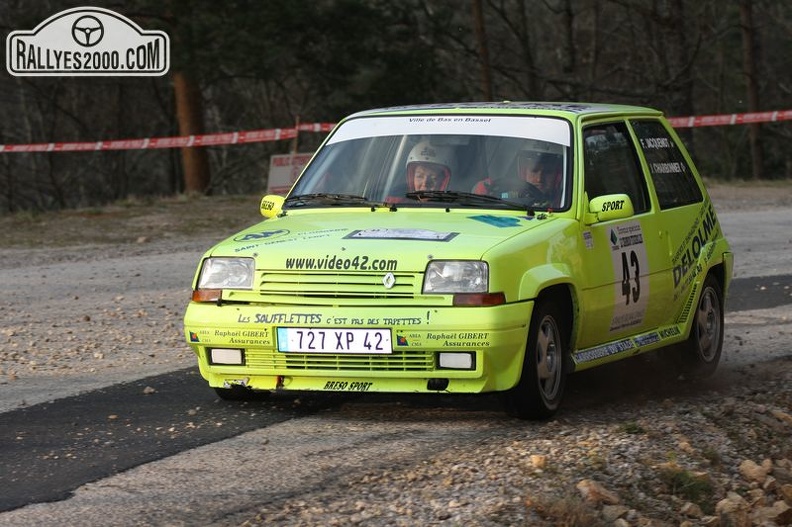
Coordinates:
[495,336]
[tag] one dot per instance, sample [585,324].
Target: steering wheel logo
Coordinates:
[87,31]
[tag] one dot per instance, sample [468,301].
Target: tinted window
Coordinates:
[612,164]
[673,179]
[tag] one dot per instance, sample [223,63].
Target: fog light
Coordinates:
[226,356]
[456,361]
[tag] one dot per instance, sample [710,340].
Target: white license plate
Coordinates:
[311,340]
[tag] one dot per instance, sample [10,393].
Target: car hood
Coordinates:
[411,237]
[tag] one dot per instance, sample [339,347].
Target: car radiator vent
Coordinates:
[340,285]
[399,360]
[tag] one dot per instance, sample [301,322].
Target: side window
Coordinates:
[672,177]
[612,164]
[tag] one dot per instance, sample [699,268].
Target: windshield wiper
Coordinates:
[463,198]
[334,200]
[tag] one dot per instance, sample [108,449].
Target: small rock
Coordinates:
[753,472]
[782,416]
[733,510]
[691,510]
[779,514]
[611,513]
[785,491]
[595,493]
[539,461]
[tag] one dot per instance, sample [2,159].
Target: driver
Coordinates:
[428,167]
[538,173]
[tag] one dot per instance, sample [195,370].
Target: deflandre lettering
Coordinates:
[693,249]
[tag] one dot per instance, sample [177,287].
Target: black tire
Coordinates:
[540,389]
[698,356]
[240,393]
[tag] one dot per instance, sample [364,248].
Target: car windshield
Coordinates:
[466,161]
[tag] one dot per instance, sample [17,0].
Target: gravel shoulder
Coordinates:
[86,305]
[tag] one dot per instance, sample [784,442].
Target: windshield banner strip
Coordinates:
[527,127]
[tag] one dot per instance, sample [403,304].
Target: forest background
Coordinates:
[249,64]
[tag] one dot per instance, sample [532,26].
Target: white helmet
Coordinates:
[548,155]
[425,152]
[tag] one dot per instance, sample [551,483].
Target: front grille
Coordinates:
[338,285]
[398,361]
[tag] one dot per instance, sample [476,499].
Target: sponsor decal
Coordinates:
[704,229]
[301,236]
[263,235]
[347,386]
[497,221]
[612,205]
[280,318]
[87,41]
[402,234]
[588,239]
[645,340]
[630,271]
[245,337]
[445,339]
[605,350]
[342,263]
[526,127]
[669,332]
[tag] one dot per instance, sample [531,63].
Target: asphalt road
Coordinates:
[52,448]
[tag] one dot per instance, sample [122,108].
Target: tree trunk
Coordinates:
[189,114]
[751,84]
[483,50]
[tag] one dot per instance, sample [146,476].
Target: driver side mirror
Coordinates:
[609,207]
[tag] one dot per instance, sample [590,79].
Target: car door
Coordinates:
[626,258]
[687,219]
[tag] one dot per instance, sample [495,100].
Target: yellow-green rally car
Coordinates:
[468,248]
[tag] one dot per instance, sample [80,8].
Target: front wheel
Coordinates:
[699,355]
[538,393]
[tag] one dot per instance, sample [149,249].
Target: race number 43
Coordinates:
[631,277]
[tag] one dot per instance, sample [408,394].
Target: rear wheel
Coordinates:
[699,355]
[538,393]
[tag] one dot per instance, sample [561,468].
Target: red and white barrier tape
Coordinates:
[230,138]
[277,134]
[730,119]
